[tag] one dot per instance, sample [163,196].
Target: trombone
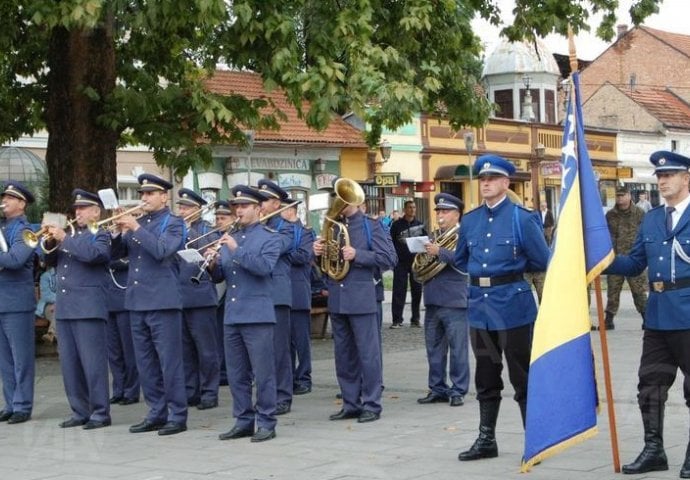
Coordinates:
[34,239]
[108,223]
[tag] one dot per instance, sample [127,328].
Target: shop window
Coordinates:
[504,103]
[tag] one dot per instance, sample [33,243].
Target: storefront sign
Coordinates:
[550,169]
[387,179]
[325,180]
[606,173]
[425,187]
[625,172]
[289,180]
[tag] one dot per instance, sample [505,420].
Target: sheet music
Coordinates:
[416,244]
[190,255]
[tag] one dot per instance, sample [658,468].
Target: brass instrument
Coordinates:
[196,214]
[335,235]
[109,223]
[227,228]
[425,266]
[34,239]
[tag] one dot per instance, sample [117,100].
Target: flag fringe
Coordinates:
[559,447]
[600,267]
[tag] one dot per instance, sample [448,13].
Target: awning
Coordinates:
[448,172]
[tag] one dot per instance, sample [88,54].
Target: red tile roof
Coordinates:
[676,40]
[663,104]
[295,129]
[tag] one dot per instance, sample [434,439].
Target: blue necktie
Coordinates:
[669,219]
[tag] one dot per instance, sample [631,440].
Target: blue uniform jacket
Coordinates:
[448,288]
[668,310]
[505,240]
[300,257]
[116,295]
[281,289]
[356,293]
[152,281]
[204,294]
[247,273]
[80,267]
[16,269]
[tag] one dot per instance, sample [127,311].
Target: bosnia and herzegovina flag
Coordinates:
[562,395]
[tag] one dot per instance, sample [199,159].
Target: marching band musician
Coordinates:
[155,306]
[17,305]
[300,255]
[247,259]
[199,303]
[121,358]
[282,292]
[80,311]
[445,321]
[352,307]
[225,217]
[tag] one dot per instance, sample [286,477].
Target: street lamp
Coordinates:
[249,136]
[386,148]
[539,151]
[527,109]
[469,146]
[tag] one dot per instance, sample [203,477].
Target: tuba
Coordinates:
[335,236]
[425,266]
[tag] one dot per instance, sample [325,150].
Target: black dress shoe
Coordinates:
[145,426]
[432,398]
[171,428]
[5,415]
[193,402]
[128,401]
[344,415]
[207,404]
[262,435]
[282,408]
[301,390]
[72,422]
[236,432]
[368,416]
[339,395]
[116,399]
[19,417]
[457,401]
[94,424]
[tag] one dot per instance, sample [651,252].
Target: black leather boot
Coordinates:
[523,412]
[652,458]
[685,469]
[608,321]
[485,445]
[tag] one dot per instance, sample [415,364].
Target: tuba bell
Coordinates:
[335,236]
[425,266]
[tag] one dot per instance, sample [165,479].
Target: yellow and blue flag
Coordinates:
[562,396]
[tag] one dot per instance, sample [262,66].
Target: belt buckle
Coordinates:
[658,286]
[484,281]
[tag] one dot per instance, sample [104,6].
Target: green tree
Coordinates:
[101,73]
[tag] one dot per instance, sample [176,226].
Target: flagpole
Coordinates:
[600,312]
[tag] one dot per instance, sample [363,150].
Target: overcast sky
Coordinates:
[672,17]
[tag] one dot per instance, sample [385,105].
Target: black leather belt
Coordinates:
[495,281]
[663,286]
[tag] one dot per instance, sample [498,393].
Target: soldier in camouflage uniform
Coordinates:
[623,220]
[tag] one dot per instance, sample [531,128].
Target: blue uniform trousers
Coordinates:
[446,335]
[84,364]
[199,343]
[123,365]
[17,353]
[248,355]
[401,274]
[157,336]
[300,323]
[220,318]
[281,348]
[358,361]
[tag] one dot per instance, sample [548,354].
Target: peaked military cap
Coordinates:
[190,198]
[152,183]
[493,165]
[18,190]
[446,201]
[82,198]
[223,208]
[669,162]
[271,189]
[246,194]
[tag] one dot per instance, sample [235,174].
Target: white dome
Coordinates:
[520,57]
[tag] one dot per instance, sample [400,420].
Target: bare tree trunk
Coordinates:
[81,153]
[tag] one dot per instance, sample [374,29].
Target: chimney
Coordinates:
[622,29]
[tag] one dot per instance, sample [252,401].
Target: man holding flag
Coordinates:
[497,244]
[662,246]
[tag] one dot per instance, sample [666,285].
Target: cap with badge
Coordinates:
[223,208]
[17,190]
[664,161]
[246,194]
[493,165]
[152,183]
[622,190]
[271,189]
[82,198]
[446,201]
[190,198]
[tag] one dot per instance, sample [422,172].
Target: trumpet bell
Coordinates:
[30,238]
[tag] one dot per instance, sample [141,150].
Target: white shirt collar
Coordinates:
[680,209]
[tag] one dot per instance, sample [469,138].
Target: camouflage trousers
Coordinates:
[638,288]
[536,279]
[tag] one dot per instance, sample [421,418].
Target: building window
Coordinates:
[127,194]
[550,106]
[504,103]
[674,145]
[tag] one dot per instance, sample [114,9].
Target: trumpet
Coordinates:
[227,228]
[34,239]
[197,214]
[109,223]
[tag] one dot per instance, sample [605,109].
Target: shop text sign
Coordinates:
[387,179]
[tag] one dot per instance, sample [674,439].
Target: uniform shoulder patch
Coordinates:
[269,229]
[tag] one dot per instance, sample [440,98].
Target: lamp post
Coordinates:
[249,135]
[469,146]
[538,156]
[527,109]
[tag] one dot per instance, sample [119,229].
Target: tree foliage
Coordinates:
[383,59]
